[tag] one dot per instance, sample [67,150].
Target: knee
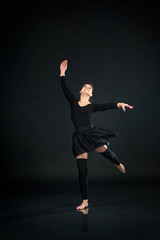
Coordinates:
[107,153]
[83,172]
[101,149]
[82,167]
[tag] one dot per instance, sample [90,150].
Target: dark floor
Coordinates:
[118,210]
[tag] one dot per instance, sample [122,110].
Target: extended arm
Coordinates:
[69,96]
[113,105]
[104,106]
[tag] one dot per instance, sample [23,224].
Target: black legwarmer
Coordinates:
[111,156]
[83,172]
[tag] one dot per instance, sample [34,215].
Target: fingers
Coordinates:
[64,65]
[65,61]
[126,105]
[131,107]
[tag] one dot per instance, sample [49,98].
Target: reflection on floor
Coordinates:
[117,210]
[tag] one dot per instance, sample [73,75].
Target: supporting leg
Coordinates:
[83,172]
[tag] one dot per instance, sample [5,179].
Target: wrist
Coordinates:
[62,73]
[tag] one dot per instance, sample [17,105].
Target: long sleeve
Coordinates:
[104,106]
[69,96]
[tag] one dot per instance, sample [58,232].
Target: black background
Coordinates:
[113,46]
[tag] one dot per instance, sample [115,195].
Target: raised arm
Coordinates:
[69,96]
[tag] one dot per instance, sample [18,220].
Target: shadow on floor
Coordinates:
[116,211]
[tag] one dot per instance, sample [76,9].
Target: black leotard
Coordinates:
[82,116]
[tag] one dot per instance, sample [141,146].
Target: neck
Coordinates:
[84,98]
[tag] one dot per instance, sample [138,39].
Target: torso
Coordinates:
[81,114]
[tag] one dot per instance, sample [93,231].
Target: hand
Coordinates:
[63,66]
[123,105]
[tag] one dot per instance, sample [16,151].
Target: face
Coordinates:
[87,88]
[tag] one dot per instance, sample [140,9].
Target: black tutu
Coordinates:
[88,139]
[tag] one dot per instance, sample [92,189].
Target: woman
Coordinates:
[87,138]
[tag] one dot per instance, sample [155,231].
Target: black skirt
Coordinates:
[87,139]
